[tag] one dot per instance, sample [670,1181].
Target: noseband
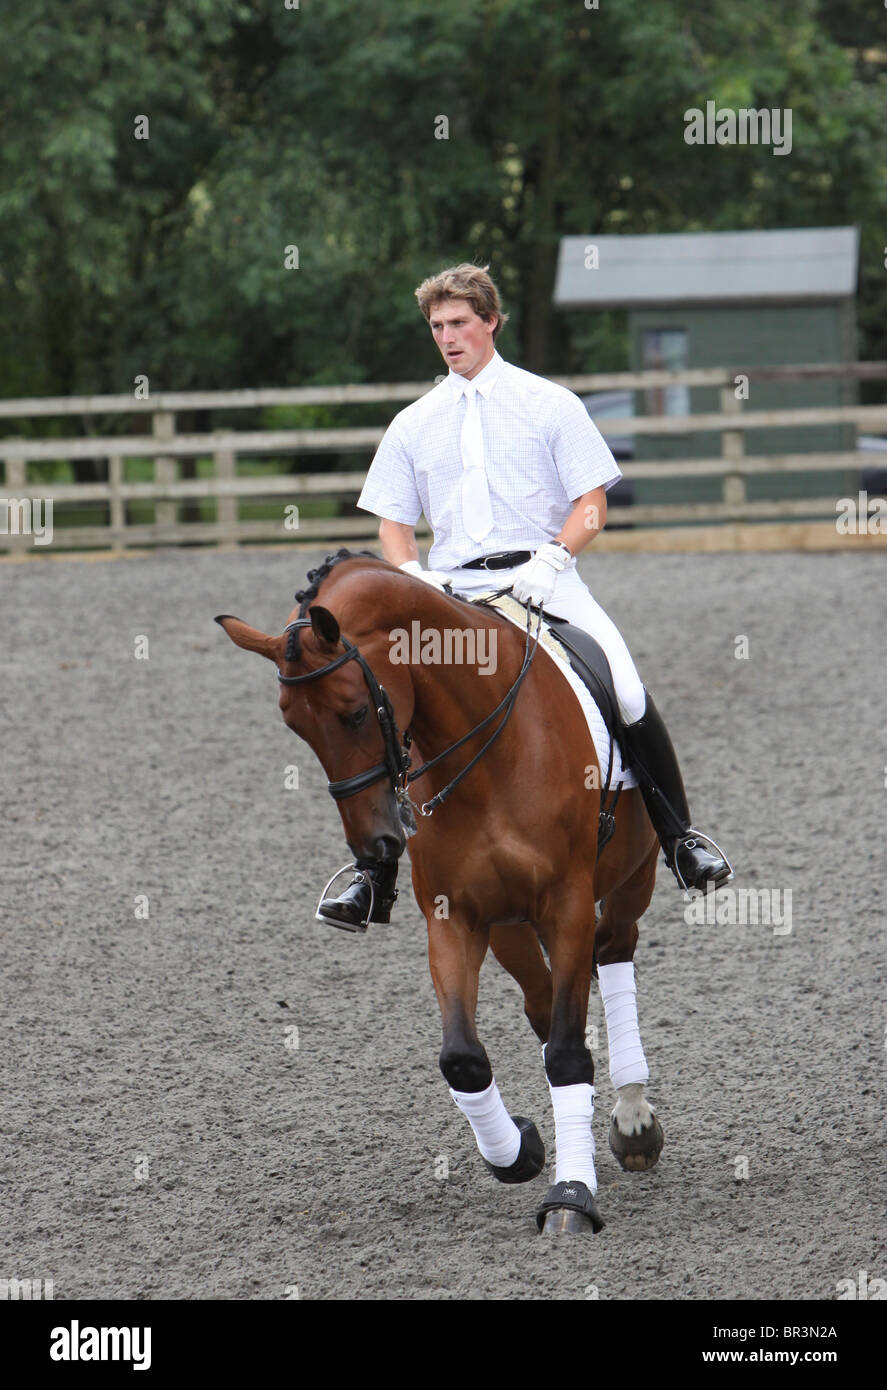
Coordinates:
[397,749]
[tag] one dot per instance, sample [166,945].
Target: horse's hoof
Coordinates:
[531,1156]
[569,1208]
[637,1152]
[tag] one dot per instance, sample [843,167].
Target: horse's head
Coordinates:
[329,696]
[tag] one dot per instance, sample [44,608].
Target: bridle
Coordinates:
[397,749]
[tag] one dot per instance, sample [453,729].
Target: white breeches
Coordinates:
[571,600]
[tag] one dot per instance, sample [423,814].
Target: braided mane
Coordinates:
[304,596]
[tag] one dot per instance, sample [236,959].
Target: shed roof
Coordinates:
[811,263]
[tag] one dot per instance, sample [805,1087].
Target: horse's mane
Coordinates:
[304,596]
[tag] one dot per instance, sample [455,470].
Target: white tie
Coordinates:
[477,514]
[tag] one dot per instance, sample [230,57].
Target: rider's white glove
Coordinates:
[535,581]
[436,578]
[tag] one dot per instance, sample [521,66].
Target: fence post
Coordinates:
[225,465]
[15,486]
[732,448]
[118,508]
[15,477]
[165,513]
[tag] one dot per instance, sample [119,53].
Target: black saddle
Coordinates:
[589,661]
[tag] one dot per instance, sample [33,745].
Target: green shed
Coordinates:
[728,299]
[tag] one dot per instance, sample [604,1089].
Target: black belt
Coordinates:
[504,560]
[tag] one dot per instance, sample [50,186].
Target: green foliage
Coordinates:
[315,128]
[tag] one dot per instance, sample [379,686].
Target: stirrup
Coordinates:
[689,839]
[344,926]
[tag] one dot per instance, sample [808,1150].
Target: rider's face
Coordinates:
[464,338]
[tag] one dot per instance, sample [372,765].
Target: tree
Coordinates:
[305,169]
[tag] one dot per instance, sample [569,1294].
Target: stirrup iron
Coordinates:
[689,839]
[357,926]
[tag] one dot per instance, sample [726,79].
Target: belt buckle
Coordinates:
[483,563]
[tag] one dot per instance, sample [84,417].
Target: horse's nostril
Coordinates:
[388,847]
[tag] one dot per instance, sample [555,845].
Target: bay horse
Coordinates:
[504,857]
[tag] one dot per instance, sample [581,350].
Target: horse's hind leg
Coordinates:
[636,1136]
[510,1146]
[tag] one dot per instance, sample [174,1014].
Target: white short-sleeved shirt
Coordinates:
[541,452]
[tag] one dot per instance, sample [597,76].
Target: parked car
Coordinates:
[874,478]
[615,405]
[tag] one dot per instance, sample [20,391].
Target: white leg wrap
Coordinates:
[498,1137]
[573,1108]
[619,993]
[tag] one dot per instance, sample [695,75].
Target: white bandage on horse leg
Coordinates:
[619,993]
[573,1108]
[498,1137]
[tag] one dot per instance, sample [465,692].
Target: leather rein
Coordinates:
[397,749]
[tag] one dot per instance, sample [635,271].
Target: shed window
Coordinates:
[665,349]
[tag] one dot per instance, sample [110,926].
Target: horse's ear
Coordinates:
[251,638]
[324,625]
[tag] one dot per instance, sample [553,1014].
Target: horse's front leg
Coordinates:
[511,1147]
[569,1204]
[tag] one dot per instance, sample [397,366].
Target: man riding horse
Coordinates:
[512,475]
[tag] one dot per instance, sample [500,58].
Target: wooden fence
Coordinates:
[733,522]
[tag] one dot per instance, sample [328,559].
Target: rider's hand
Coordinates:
[535,581]
[436,578]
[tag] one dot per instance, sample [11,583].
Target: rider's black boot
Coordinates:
[653,760]
[352,909]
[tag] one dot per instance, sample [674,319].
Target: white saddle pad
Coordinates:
[517,614]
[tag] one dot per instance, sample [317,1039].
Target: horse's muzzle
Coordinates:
[385,849]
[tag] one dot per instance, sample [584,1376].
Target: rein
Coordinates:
[397,749]
[508,700]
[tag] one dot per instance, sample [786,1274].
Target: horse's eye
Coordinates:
[354,721]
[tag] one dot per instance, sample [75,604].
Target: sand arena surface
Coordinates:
[162,1135]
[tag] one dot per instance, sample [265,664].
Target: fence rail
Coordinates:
[732,522]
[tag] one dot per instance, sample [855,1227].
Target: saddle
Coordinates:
[588,660]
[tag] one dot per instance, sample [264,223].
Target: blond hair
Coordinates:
[465,281]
